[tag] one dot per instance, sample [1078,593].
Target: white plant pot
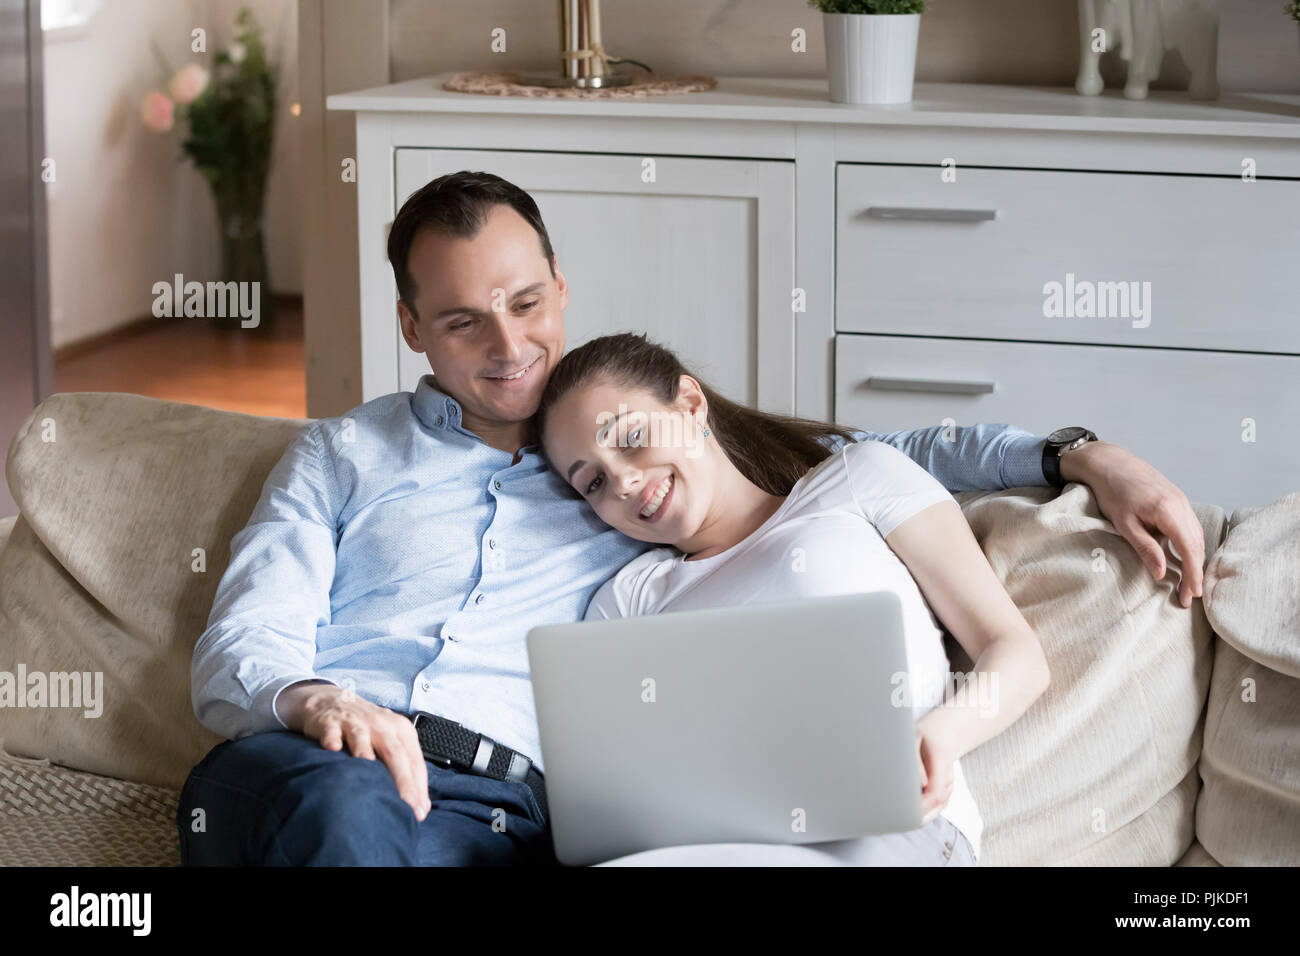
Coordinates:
[871,58]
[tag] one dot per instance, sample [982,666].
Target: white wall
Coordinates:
[1032,42]
[124,211]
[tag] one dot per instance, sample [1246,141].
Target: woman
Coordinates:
[755,507]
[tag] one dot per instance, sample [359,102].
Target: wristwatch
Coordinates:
[1058,443]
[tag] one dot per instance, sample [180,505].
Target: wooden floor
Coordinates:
[261,372]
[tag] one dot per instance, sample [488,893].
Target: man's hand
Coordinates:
[336,716]
[1138,501]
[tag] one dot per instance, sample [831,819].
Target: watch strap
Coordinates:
[1053,450]
[1052,465]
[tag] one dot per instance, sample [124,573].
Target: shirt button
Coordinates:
[479,599]
[492,542]
[438,420]
[424,685]
[497,485]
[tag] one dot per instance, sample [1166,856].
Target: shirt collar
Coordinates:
[438,410]
[434,407]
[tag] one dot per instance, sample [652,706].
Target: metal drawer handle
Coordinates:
[948,386]
[932,215]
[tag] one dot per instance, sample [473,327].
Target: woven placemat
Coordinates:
[53,816]
[504,84]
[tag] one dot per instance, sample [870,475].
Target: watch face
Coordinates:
[1063,436]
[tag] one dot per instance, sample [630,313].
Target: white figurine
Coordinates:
[1142,30]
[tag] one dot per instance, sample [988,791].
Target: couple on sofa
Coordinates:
[398,556]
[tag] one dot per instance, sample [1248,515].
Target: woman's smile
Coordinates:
[654,503]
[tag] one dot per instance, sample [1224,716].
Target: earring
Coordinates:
[706,431]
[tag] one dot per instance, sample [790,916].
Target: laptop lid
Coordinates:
[770,723]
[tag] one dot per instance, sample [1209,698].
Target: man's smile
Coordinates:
[524,374]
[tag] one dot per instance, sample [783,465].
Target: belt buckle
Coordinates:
[516,772]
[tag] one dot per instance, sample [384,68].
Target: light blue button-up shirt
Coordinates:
[394,552]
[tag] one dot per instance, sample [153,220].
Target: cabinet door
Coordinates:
[1220,425]
[700,258]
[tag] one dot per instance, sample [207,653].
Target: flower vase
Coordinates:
[243,261]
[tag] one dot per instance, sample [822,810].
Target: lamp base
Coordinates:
[555,80]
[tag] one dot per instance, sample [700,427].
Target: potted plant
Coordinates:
[870,48]
[231,113]
[1293,10]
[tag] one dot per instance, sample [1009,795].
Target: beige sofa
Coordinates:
[1169,735]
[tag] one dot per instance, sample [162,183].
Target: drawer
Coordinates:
[1180,410]
[1186,261]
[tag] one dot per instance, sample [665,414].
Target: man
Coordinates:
[398,556]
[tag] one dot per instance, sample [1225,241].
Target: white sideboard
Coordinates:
[892,267]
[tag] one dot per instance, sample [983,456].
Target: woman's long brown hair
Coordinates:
[772,451]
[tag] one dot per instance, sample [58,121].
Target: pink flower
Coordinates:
[188,84]
[157,112]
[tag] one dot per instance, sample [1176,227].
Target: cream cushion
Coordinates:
[1102,768]
[1248,813]
[1249,810]
[1252,585]
[115,493]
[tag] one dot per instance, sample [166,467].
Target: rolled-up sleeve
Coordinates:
[275,593]
[968,458]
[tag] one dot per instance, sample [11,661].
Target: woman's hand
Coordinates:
[935,760]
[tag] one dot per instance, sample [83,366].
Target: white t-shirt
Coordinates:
[826,538]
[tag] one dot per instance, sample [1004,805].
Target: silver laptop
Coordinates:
[768,723]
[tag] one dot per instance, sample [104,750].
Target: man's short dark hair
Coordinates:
[457,205]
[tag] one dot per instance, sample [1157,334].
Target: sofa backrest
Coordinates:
[127,505]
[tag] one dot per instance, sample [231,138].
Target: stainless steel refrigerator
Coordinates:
[26,371]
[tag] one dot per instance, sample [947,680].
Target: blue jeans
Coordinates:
[938,843]
[280,799]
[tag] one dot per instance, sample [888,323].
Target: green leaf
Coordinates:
[231,126]
[869,7]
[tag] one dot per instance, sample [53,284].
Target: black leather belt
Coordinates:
[449,744]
